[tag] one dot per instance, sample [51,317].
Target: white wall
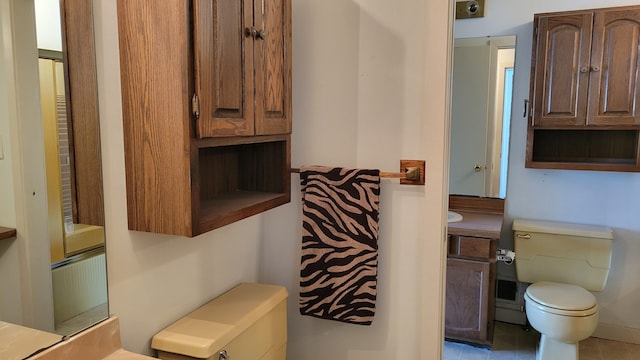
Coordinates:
[27,257]
[7,210]
[49,31]
[370,85]
[359,94]
[602,198]
[156,279]
[10,308]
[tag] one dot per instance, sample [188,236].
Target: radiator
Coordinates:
[79,286]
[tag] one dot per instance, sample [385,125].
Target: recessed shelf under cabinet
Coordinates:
[606,150]
[238,181]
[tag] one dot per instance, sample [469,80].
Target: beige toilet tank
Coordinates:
[562,252]
[248,322]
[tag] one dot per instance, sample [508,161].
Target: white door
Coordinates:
[469,115]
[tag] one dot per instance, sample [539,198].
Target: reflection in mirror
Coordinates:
[72,158]
[481,115]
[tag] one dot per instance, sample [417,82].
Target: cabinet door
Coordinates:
[561,76]
[224,67]
[467,299]
[272,54]
[613,86]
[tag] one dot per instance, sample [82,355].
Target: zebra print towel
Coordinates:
[339,263]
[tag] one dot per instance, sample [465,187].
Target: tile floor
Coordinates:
[513,343]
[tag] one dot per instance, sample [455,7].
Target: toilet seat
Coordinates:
[561,299]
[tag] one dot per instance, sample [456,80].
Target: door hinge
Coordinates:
[195,106]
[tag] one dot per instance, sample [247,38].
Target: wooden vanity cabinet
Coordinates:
[196,163]
[471,268]
[470,288]
[585,90]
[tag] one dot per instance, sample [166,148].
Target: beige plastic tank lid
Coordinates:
[551,227]
[215,324]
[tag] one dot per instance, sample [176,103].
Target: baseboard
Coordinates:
[617,333]
[511,316]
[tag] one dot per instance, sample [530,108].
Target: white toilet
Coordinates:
[561,261]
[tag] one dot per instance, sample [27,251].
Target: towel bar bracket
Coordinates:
[414,171]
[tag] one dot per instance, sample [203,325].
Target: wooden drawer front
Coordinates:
[467,246]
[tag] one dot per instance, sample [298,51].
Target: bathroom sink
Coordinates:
[453,216]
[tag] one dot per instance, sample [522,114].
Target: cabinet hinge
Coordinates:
[195,106]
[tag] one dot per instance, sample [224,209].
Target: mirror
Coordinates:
[481,115]
[68,94]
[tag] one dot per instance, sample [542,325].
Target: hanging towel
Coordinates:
[339,262]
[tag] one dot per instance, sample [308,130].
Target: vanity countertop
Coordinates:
[478,224]
[7,233]
[18,342]
[100,342]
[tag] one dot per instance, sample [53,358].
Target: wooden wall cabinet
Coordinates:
[243,67]
[584,90]
[189,174]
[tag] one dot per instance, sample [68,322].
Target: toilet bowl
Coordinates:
[561,262]
[564,314]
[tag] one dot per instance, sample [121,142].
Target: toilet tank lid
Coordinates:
[210,327]
[561,228]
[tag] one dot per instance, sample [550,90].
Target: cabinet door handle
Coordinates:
[260,34]
[584,69]
[250,32]
[524,236]
[595,68]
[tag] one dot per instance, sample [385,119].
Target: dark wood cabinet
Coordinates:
[470,288]
[585,90]
[560,78]
[471,269]
[242,67]
[196,163]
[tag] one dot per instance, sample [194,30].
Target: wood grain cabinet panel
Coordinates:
[467,308]
[560,87]
[585,90]
[470,287]
[196,163]
[613,82]
[243,67]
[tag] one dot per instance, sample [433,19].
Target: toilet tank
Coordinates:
[562,252]
[248,322]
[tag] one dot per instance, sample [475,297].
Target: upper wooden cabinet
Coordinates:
[243,67]
[189,174]
[585,90]
[585,67]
